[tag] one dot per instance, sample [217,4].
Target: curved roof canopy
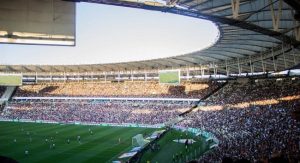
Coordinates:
[255,36]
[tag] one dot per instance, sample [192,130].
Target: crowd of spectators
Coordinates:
[122,89]
[2,90]
[96,112]
[252,120]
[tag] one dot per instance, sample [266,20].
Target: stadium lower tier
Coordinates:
[123,89]
[92,112]
[254,120]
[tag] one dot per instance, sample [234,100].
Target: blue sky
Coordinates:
[109,34]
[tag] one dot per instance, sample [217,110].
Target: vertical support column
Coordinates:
[187,73]
[214,68]
[85,76]
[131,75]
[78,76]
[51,77]
[98,74]
[297,33]
[200,68]
[297,29]
[235,6]
[262,63]
[284,60]
[119,76]
[145,75]
[276,16]
[36,77]
[105,76]
[294,56]
[239,67]
[251,67]
[226,68]
[274,62]
[158,73]
[64,76]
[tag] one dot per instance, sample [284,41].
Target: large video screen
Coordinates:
[10,80]
[169,76]
[49,22]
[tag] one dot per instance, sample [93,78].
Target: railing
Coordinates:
[106,98]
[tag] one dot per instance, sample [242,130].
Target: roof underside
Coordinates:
[255,35]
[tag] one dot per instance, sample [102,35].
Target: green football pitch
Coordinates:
[171,151]
[102,145]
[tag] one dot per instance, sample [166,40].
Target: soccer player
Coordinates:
[15,140]
[26,152]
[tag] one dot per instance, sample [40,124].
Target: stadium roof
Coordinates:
[255,35]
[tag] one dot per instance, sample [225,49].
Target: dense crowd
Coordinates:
[122,89]
[261,91]
[96,112]
[252,120]
[2,90]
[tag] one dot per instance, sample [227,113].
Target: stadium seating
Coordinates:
[252,120]
[126,89]
[90,112]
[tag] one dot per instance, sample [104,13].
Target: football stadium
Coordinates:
[150,81]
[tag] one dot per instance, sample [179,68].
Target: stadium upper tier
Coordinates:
[255,36]
[126,89]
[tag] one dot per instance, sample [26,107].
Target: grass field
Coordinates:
[169,148]
[101,146]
